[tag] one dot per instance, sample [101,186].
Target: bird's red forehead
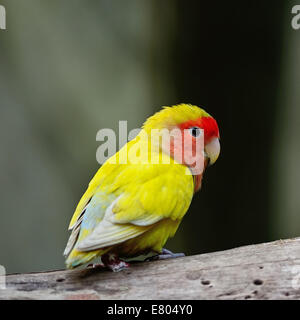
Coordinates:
[208,124]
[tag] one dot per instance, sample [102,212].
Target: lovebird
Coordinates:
[138,197]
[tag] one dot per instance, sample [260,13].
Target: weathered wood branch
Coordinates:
[263,271]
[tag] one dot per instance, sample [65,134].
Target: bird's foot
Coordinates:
[165,254]
[112,262]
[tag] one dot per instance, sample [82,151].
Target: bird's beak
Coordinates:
[212,151]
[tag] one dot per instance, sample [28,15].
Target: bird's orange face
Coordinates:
[211,136]
[195,143]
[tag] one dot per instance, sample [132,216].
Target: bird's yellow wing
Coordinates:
[163,193]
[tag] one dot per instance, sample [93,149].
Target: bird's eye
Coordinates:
[195,132]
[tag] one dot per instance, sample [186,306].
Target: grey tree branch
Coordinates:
[262,271]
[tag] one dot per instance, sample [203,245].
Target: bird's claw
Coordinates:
[112,262]
[165,254]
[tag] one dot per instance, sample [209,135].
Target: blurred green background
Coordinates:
[70,68]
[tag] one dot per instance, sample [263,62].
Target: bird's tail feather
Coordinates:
[77,258]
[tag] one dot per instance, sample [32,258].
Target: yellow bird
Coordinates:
[137,199]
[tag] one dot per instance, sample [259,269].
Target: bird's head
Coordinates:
[194,135]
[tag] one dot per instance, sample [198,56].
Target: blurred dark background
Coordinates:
[70,68]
